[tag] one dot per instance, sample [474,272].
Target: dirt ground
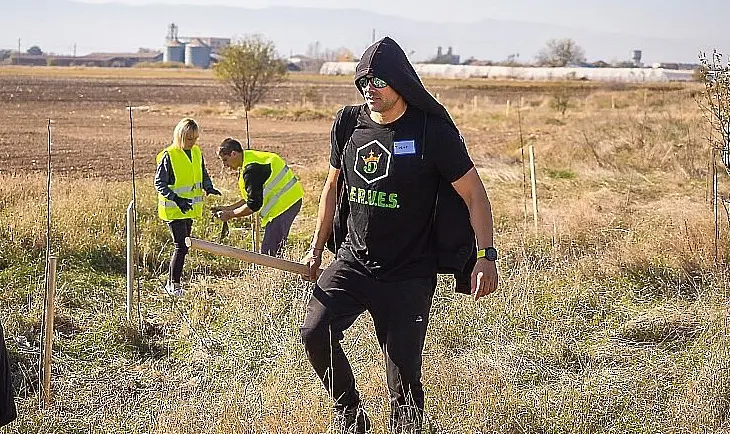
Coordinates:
[91,126]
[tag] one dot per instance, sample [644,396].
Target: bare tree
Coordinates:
[250,67]
[561,52]
[341,54]
[715,103]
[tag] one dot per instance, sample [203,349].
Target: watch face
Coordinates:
[490,254]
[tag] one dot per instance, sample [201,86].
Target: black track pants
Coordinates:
[179,229]
[400,313]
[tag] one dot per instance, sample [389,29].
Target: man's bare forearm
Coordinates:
[326,210]
[236,205]
[242,211]
[471,189]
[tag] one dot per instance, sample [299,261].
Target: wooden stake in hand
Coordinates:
[245,255]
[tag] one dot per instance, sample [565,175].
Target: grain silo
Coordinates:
[174,49]
[197,54]
[174,52]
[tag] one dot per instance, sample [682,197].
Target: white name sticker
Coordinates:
[404,147]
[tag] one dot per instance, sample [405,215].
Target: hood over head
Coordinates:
[385,59]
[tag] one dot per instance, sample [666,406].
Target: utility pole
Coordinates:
[74,49]
[18,47]
[373,41]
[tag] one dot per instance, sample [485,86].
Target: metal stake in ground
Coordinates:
[41,359]
[134,219]
[49,312]
[130,259]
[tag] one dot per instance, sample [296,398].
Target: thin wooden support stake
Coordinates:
[534,185]
[715,204]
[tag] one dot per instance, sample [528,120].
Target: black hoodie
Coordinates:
[385,59]
[452,232]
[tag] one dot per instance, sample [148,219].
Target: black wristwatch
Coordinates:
[490,254]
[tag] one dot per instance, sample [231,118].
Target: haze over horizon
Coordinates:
[669,30]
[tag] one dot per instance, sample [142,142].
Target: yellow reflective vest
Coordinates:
[188,183]
[281,189]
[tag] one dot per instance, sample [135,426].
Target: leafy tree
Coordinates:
[560,52]
[250,67]
[344,55]
[35,50]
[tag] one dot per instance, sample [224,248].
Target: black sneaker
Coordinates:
[351,421]
[174,289]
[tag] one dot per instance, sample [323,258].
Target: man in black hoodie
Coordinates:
[403,149]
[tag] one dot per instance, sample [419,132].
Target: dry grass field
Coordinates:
[611,317]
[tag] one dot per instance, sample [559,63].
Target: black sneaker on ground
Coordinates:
[174,289]
[351,421]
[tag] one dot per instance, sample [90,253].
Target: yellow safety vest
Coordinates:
[188,183]
[281,189]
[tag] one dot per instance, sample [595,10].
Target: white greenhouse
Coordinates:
[626,75]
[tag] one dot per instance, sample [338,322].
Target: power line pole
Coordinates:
[18,47]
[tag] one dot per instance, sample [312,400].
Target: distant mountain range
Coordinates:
[58,25]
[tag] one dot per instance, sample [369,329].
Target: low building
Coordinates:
[120,59]
[28,59]
[93,59]
[301,62]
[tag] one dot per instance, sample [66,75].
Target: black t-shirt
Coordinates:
[391,186]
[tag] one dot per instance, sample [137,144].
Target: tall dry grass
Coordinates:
[611,316]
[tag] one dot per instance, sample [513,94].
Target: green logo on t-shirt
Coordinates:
[371,163]
[375,198]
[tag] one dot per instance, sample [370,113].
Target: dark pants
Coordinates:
[7,401]
[277,231]
[180,229]
[400,312]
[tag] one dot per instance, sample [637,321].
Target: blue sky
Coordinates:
[656,18]
[667,30]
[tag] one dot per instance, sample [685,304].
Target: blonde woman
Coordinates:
[180,181]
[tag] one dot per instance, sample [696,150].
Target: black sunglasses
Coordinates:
[377,83]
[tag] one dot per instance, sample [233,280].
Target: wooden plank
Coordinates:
[247,256]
